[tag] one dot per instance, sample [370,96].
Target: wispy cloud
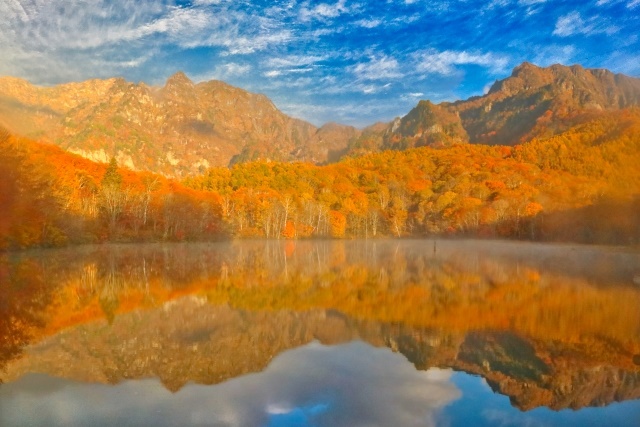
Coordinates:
[531,2]
[324,51]
[368,23]
[370,89]
[227,71]
[445,62]
[239,45]
[294,60]
[281,72]
[412,96]
[380,68]
[553,54]
[573,24]
[630,4]
[323,11]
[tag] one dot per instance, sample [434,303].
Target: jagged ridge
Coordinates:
[184,128]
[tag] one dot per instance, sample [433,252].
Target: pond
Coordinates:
[321,333]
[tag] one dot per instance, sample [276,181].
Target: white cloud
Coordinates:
[230,70]
[569,24]
[444,63]
[207,2]
[368,23]
[294,60]
[324,11]
[412,96]
[530,2]
[181,24]
[40,67]
[406,20]
[369,89]
[292,71]
[383,67]
[553,54]
[37,37]
[630,4]
[573,24]
[239,45]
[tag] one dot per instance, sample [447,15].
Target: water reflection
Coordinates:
[553,326]
[346,385]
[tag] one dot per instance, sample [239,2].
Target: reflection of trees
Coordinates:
[23,297]
[495,311]
[456,287]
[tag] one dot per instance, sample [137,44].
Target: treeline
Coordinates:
[580,185]
[465,189]
[51,198]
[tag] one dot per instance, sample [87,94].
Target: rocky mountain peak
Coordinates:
[178,83]
[184,128]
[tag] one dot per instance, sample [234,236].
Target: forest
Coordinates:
[579,185]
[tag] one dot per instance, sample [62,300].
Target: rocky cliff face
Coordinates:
[535,101]
[184,128]
[179,129]
[532,102]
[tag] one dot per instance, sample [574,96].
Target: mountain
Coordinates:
[179,129]
[185,128]
[532,102]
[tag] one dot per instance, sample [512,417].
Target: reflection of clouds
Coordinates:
[347,385]
[506,418]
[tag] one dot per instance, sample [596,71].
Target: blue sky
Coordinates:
[354,62]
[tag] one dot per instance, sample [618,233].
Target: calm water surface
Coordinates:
[376,333]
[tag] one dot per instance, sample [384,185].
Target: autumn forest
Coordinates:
[580,185]
[548,154]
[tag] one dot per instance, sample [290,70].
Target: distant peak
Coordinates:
[179,79]
[524,67]
[425,103]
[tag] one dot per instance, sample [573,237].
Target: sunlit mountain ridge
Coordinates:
[568,169]
[183,128]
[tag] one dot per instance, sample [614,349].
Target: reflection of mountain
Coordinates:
[208,313]
[185,340]
[312,385]
[532,373]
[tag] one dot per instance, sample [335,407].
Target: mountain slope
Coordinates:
[185,128]
[180,129]
[533,102]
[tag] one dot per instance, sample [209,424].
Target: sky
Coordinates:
[349,61]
